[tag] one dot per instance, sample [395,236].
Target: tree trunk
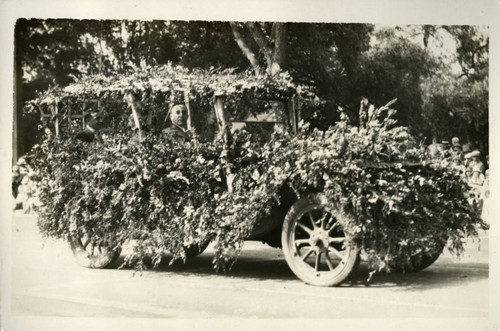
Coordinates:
[275,55]
[261,40]
[279,55]
[249,54]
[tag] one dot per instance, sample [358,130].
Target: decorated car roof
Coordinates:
[169,78]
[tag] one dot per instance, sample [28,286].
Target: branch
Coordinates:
[249,54]
[261,40]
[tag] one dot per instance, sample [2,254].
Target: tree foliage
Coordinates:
[344,62]
[461,98]
[395,68]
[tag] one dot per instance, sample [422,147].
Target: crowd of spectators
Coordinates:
[470,162]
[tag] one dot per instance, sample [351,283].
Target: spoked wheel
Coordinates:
[315,245]
[89,254]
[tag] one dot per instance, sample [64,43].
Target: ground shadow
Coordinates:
[439,275]
[248,267]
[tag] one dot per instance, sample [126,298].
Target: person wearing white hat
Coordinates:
[456,150]
[477,168]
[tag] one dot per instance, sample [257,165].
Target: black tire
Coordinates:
[93,256]
[420,262]
[195,250]
[311,227]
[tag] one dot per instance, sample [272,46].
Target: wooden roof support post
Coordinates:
[224,131]
[56,114]
[83,115]
[190,114]
[69,116]
[292,113]
[131,102]
[298,106]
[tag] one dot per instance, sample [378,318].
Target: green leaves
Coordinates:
[151,81]
[165,196]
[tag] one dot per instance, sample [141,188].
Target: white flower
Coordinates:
[188,210]
[200,159]
[177,175]
[255,175]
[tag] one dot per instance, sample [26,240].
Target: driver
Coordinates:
[177,130]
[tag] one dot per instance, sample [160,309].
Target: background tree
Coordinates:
[394,67]
[437,95]
[456,99]
[270,39]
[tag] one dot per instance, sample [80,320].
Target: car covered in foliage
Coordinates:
[253,171]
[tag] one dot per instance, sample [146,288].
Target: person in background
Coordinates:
[476,178]
[456,148]
[456,153]
[177,130]
[485,195]
[467,170]
[145,122]
[445,148]
[19,172]
[90,130]
[24,197]
[466,148]
[433,149]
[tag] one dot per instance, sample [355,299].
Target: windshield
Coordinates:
[258,117]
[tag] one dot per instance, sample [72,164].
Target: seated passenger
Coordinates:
[90,130]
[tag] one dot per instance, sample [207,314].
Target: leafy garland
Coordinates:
[169,78]
[156,89]
[167,196]
[397,204]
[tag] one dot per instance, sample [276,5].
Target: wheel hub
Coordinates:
[319,240]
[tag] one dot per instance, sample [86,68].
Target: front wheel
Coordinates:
[90,254]
[315,245]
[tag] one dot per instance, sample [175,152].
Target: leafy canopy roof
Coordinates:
[168,78]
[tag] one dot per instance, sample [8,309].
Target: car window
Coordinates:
[258,111]
[259,118]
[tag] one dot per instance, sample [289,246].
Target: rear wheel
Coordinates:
[315,245]
[195,250]
[90,254]
[420,261]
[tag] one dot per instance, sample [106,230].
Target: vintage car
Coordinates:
[307,229]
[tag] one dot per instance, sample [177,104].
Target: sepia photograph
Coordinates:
[195,169]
